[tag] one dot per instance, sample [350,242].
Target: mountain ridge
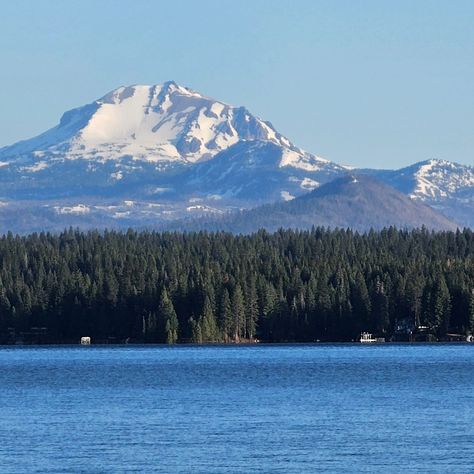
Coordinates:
[176,153]
[355,201]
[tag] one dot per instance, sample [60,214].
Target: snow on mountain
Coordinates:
[430,180]
[161,146]
[443,185]
[260,171]
[175,152]
[155,123]
[440,179]
[359,202]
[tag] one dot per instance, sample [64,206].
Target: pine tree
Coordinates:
[208,324]
[441,305]
[251,309]
[168,318]
[238,311]
[381,313]
[361,303]
[195,331]
[471,312]
[225,316]
[151,331]
[414,296]
[270,299]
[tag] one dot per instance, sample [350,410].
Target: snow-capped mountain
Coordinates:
[436,180]
[165,148]
[444,185]
[431,180]
[143,154]
[159,123]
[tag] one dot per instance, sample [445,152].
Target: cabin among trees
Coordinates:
[217,287]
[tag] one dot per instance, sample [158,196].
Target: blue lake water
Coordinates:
[237,409]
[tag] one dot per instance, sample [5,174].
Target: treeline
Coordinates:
[199,287]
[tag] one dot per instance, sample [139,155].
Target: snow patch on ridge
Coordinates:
[118,175]
[301,160]
[203,208]
[41,165]
[309,184]
[77,209]
[286,196]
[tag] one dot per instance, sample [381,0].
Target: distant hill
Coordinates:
[353,201]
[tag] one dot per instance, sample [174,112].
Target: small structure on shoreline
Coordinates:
[367,337]
[85,340]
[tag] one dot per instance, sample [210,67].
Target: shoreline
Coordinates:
[225,345]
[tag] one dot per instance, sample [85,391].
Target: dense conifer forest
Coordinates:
[200,287]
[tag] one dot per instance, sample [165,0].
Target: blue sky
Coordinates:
[368,83]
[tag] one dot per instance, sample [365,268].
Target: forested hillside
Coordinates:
[287,286]
[359,202]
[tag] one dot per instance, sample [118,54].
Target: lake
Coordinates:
[237,409]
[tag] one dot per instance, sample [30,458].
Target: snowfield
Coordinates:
[155,123]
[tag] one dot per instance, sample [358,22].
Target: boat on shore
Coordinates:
[367,337]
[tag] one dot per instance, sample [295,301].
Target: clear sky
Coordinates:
[379,83]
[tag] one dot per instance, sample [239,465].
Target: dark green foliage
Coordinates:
[200,287]
[225,316]
[169,320]
[209,332]
[471,313]
[238,314]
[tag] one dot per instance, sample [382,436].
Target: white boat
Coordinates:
[367,337]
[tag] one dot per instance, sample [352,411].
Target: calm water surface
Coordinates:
[278,409]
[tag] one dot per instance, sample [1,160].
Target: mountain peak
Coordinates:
[122,93]
[170,83]
[439,179]
[433,162]
[153,123]
[165,147]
